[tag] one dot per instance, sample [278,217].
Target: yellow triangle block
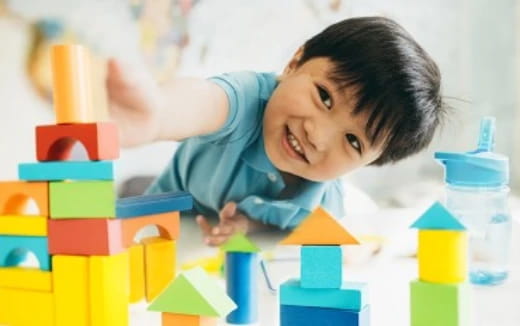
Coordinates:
[320,228]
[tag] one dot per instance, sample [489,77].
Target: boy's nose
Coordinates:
[319,133]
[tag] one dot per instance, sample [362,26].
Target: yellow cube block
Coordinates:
[443,256]
[137,288]
[26,308]
[23,225]
[70,278]
[159,256]
[109,289]
[25,279]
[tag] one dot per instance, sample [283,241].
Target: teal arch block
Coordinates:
[66,170]
[13,250]
[321,267]
[351,296]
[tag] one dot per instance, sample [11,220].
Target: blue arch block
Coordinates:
[13,250]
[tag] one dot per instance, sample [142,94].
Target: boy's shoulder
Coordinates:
[248,83]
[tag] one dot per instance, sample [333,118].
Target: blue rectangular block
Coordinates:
[66,170]
[351,296]
[15,249]
[321,267]
[242,286]
[313,316]
[153,204]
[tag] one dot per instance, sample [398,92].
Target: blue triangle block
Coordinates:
[437,217]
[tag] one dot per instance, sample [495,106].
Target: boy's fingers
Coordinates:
[204,225]
[228,211]
[223,229]
[216,240]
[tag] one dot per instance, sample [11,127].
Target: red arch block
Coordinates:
[167,223]
[54,142]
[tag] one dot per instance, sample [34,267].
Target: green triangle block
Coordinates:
[438,217]
[194,293]
[239,243]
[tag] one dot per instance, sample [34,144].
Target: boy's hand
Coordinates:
[231,222]
[132,105]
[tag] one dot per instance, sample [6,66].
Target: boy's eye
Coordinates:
[354,142]
[325,97]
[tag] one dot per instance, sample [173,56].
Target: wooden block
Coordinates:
[440,304]
[82,199]
[137,279]
[321,267]
[320,228]
[15,195]
[159,257]
[55,142]
[169,319]
[109,289]
[71,290]
[26,308]
[167,223]
[242,286]
[438,217]
[13,250]
[68,170]
[442,256]
[153,204]
[239,242]
[89,237]
[72,83]
[351,296]
[312,316]
[23,225]
[25,279]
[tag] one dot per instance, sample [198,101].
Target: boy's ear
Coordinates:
[294,63]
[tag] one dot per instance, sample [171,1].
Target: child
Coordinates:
[260,149]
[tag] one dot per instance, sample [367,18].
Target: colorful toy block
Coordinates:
[109,290]
[70,275]
[26,308]
[13,250]
[187,320]
[350,296]
[153,204]
[85,237]
[440,304]
[193,293]
[442,256]
[331,232]
[167,223]
[241,270]
[239,243]
[75,199]
[55,142]
[321,267]
[68,170]
[25,279]
[72,91]
[159,257]
[15,195]
[437,217]
[23,225]
[312,316]
[137,276]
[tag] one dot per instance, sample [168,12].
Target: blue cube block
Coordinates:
[313,316]
[153,204]
[66,170]
[351,296]
[321,267]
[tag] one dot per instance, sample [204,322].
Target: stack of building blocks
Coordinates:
[241,268]
[320,296]
[192,299]
[441,296]
[90,269]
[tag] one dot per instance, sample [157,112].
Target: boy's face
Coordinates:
[309,128]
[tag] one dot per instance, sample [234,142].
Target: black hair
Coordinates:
[393,79]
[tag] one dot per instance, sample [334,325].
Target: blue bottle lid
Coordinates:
[479,168]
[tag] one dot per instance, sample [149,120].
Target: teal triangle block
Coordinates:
[239,243]
[194,293]
[438,217]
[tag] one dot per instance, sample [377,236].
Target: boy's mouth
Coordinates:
[293,146]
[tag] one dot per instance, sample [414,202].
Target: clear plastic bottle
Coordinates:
[477,193]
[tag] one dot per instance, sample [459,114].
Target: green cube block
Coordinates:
[82,199]
[435,304]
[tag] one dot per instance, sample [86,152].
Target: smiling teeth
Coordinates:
[294,143]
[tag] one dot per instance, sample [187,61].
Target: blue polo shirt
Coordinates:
[231,164]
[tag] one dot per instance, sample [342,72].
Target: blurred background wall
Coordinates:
[474,42]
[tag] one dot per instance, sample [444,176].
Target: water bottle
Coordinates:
[477,193]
